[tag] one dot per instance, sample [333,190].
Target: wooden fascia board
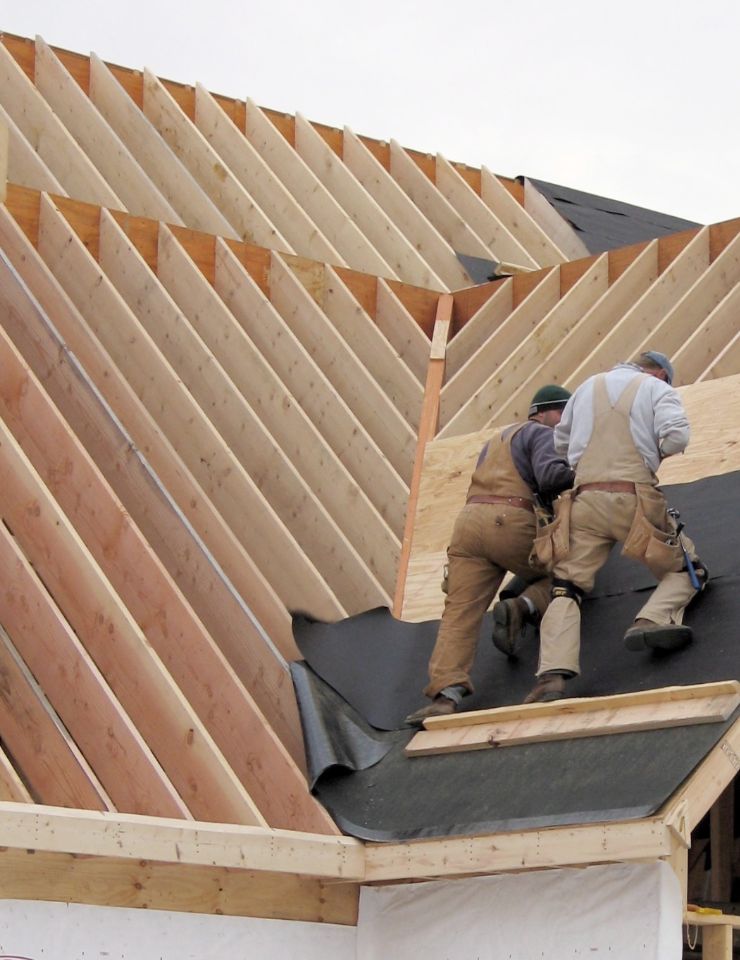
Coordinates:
[165,840]
[710,778]
[549,848]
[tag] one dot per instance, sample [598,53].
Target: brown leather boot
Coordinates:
[439,707]
[646,635]
[509,618]
[550,686]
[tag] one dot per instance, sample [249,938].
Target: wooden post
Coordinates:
[427,429]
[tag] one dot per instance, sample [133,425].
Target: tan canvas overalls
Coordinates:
[493,533]
[605,511]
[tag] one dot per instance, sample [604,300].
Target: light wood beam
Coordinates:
[161,165]
[518,851]
[543,341]
[283,416]
[402,331]
[550,221]
[710,336]
[49,138]
[482,325]
[245,163]
[121,759]
[402,257]
[179,638]
[224,481]
[479,217]
[465,403]
[205,165]
[151,885]
[199,569]
[621,342]
[370,405]
[24,166]
[12,788]
[328,411]
[372,348]
[4,159]
[427,428]
[311,194]
[447,273]
[278,481]
[435,207]
[50,761]
[620,297]
[513,215]
[682,324]
[99,142]
[726,363]
[130,837]
[145,689]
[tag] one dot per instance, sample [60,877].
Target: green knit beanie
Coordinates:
[550,397]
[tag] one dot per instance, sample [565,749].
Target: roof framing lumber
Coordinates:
[224,481]
[434,206]
[132,837]
[402,331]
[282,415]
[123,763]
[187,650]
[625,336]
[591,327]
[281,484]
[155,157]
[22,165]
[465,402]
[255,176]
[96,138]
[399,254]
[48,759]
[555,226]
[167,529]
[215,179]
[491,314]
[310,387]
[468,204]
[512,215]
[148,884]
[310,193]
[334,356]
[517,851]
[446,269]
[709,338]
[12,788]
[372,348]
[145,689]
[49,137]
[726,363]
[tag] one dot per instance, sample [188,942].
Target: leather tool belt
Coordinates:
[512,501]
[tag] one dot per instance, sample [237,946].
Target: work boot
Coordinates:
[509,618]
[644,634]
[439,707]
[550,686]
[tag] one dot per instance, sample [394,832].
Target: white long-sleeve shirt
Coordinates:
[658,420]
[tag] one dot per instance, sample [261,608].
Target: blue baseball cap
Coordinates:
[662,361]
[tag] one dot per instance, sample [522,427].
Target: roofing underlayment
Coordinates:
[245,366]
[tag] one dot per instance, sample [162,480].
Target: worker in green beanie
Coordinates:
[494,533]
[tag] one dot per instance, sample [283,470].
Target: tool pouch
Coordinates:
[552,540]
[652,538]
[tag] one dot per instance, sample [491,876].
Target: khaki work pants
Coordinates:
[488,540]
[599,519]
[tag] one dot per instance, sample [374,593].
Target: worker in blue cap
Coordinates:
[615,431]
[493,534]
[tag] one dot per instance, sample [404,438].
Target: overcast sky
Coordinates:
[635,100]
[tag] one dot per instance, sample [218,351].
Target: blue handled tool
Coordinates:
[693,577]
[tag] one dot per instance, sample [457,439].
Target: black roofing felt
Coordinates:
[364,674]
[604,224]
